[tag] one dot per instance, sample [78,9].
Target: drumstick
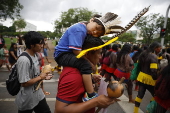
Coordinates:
[47,68]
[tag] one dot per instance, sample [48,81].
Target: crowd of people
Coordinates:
[9,56]
[76,91]
[150,73]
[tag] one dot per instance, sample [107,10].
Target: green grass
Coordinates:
[8,41]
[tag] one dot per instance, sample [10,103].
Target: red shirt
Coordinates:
[70,87]
[164,103]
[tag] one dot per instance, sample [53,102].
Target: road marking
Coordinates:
[126,106]
[2,84]
[13,99]
[51,80]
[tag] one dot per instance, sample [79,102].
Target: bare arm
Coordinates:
[20,46]
[42,76]
[113,58]
[76,52]
[128,64]
[101,101]
[46,46]
[154,67]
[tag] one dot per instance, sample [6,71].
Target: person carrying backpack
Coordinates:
[28,98]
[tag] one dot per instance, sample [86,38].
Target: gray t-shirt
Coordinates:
[28,98]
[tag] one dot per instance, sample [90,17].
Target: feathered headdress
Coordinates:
[110,23]
[114,38]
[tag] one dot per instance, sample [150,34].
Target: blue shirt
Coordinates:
[132,53]
[73,38]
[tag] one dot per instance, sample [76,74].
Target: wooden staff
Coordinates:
[47,68]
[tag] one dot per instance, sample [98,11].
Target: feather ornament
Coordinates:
[115,37]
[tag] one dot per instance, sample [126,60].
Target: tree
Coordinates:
[127,37]
[106,38]
[19,24]
[3,29]
[167,33]
[10,8]
[71,17]
[150,25]
[12,29]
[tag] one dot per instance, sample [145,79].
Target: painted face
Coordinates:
[94,29]
[95,56]
[158,50]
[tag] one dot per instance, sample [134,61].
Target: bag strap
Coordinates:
[28,56]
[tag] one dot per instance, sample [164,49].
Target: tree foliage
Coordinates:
[167,34]
[127,37]
[10,8]
[149,25]
[19,24]
[7,29]
[72,16]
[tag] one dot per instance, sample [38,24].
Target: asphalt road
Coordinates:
[7,104]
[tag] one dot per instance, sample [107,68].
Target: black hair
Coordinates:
[135,47]
[97,16]
[135,57]
[126,49]
[19,40]
[2,40]
[119,45]
[145,47]
[163,51]
[168,50]
[115,47]
[2,45]
[12,45]
[151,49]
[108,47]
[166,70]
[32,38]
[91,41]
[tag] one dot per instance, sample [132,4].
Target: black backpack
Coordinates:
[12,83]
